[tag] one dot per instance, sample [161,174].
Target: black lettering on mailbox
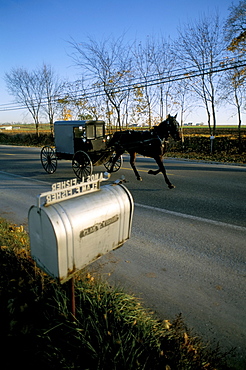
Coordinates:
[98,226]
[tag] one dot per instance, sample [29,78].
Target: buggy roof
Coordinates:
[77,123]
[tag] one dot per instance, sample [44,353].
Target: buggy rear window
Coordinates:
[99,131]
[90,132]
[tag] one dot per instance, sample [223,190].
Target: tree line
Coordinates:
[141,82]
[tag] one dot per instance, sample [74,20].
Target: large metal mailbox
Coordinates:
[70,233]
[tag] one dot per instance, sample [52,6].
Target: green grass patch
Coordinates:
[111,329]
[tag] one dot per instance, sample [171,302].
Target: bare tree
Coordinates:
[235,36]
[145,68]
[85,102]
[164,63]
[109,67]
[36,90]
[235,27]
[74,99]
[233,93]
[52,90]
[138,105]
[202,47]
[28,89]
[183,99]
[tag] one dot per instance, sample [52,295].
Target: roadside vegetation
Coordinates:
[111,330]
[229,146]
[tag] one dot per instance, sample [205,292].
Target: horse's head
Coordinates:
[171,127]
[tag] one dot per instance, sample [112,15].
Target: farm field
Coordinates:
[196,144]
[202,130]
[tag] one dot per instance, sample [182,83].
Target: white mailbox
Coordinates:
[77,224]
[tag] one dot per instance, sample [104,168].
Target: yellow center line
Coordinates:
[6,153]
[130,169]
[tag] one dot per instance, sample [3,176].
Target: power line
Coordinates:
[150,80]
[189,73]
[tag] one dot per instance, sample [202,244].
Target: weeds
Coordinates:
[111,329]
[27,139]
[228,147]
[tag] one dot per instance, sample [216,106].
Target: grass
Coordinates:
[27,139]
[111,329]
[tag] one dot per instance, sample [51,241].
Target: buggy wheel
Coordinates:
[82,165]
[48,159]
[117,164]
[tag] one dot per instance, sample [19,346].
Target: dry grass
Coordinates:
[111,329]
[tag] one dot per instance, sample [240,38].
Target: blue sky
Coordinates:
[33,32]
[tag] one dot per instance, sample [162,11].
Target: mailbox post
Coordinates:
[76,223]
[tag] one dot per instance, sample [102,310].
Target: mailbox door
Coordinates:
[49,241]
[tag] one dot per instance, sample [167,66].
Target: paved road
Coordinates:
[187,250]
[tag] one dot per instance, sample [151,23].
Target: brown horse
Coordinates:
[150,143]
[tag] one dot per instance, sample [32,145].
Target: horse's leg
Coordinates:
[151,172]
[160,156]
[162,169]
[132,163]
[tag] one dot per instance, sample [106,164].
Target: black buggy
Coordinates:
[85,143]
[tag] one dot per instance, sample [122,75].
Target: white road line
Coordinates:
[195,218]
[24,178]
[162,210]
